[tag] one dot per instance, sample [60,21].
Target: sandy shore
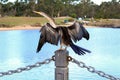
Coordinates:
[28,27]
[20,28]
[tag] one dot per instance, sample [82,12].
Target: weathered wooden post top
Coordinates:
[61,63]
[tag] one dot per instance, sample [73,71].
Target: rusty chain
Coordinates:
[27,68]
[92,70]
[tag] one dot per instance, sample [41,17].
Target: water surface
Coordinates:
[18,49]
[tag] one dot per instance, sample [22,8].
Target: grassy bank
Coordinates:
[21,21]
[38,21]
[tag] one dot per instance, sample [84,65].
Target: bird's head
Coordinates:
[51,20]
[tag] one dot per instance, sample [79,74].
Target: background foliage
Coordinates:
[56,8]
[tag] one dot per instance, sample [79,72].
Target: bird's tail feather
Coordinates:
[79,50]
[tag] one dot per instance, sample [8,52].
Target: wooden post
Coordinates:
[61,63]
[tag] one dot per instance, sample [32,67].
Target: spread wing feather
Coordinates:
[48,34]
[77,31]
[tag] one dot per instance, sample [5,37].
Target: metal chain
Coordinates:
[92,70]
[47,61]
[27,68]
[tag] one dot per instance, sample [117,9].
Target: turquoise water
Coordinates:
[18,49]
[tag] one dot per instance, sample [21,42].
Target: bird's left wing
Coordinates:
[48,34]
[51,34]
[77,31]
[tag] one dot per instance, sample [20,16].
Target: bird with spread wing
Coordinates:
[52,34]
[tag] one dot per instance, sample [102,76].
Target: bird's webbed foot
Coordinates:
[63,48]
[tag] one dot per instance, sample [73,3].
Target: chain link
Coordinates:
[92,70]
[47,61]
[27,68]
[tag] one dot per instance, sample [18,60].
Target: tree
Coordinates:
[85,8]
[3,1]
[109,10]
[8,9]
[59,6]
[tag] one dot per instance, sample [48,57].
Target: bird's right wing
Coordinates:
[48,34]
[77,32]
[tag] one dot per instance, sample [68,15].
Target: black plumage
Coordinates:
[66,36]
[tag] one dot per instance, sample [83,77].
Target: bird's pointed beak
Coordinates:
[51,20]
[37,12]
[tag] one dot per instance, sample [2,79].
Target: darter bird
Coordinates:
[52,33]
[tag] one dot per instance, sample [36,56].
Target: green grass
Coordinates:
[37,21]
[15,21]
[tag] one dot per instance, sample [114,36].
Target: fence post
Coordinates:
[61,63]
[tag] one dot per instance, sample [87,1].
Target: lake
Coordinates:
[18,49]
